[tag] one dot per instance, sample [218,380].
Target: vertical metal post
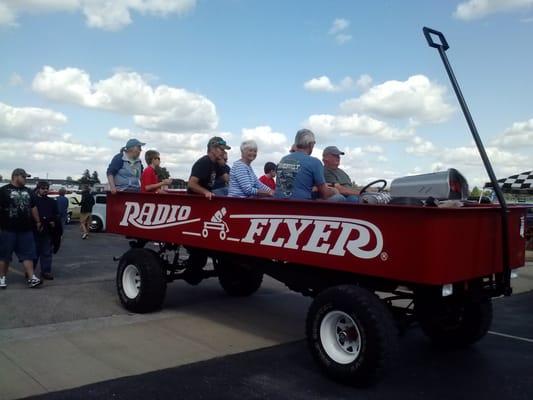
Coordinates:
[504,279]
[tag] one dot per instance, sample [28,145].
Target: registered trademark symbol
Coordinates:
[384,256]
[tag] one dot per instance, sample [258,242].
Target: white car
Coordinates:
[98,217]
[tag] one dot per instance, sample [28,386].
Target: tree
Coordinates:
[85,178]
[94,177]
[162,173]
[69,179]
[476,192]
[1,178]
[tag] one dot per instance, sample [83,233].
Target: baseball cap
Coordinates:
[21,172]
[217,141]
[133,143]
[42,184]
[332,150]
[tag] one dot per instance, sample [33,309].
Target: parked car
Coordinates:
[73,205]
[98,218]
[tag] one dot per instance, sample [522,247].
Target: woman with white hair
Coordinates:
[242,180]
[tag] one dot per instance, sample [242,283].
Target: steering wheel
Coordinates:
[383,186]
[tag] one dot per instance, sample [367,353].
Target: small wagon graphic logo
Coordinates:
[216,224]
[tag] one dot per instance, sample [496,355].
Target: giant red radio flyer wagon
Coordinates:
[421,253]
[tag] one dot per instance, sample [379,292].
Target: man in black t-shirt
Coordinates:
[206,170]
[17,214]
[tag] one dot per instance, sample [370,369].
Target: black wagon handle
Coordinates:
[428,32]
[503,280]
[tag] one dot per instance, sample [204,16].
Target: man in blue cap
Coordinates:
[124,171]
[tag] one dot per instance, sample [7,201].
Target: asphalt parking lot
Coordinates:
[72,339]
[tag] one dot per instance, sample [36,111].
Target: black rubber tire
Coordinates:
[96,224]
[378,334]
[153,284]
[237,280]
[453,321]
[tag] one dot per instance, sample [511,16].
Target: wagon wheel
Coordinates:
[205,233]
[351,334]
[236,279]
[140,281]
[222,235]
[453,321]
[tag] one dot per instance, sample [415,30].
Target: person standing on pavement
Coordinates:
[125,170]
[87,203]
[62,206]
[49,217]
[17,214]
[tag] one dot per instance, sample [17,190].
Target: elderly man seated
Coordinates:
[336,177]
[298,172]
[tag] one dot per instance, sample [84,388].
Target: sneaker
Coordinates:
[84,236]
[48,275]
[34,282]
[3,283]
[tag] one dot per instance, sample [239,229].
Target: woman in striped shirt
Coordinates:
[242,180]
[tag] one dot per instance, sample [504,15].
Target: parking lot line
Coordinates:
[511,336]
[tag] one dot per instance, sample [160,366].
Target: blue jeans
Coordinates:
[353,198]
[22,243]
[336,197]
[44,252]
[223,191]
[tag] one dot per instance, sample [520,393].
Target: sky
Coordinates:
[80,77]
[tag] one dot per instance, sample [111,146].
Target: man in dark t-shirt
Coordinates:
[206,170]
[17,214]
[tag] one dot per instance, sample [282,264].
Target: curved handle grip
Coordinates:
[443,43]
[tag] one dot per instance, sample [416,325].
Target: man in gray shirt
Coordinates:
[336,177]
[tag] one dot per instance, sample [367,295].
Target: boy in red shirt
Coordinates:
[149,180]
[268,177]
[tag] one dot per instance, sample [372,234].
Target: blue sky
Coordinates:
[78,79]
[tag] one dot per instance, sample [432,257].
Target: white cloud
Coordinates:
[339,24]
[15,80]
[417,98]
[101,14]
[320,84]
[421,147]
[467,160]
[329,126]
[324,84]
[364,82]
[160,141]
[373,149]
[520,134]
[475,9]
[155,108]
[29,122]
[342,38]
[55,158]
[338,30]
[267,140]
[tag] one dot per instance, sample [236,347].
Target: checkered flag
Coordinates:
[523,181]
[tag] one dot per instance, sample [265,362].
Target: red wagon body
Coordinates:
[424,245]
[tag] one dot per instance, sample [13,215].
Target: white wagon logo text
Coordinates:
[154,216]
[353,235]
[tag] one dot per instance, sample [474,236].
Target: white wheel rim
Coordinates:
[131,281]
[340,337]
